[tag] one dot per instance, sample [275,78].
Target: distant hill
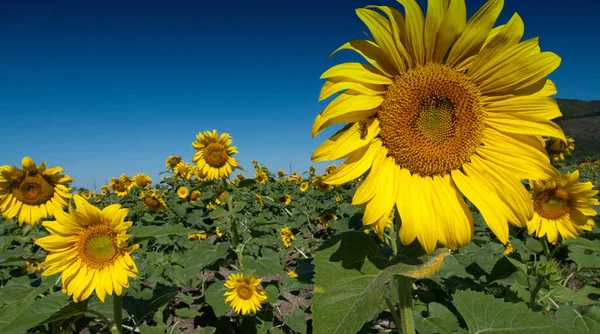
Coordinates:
[581,120]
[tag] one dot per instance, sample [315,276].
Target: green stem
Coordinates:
[117,327]
[56,327]
[404,286]
[545,246]
[534,292]
[551,256]
[395,315]
[393,236]
[234,231]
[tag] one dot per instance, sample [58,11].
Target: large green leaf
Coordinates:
[30,313]
[266,265]
[198,257]
[296,322]
[584,243]
[587,261]
[439,320]
[350,283]
[215,297]
[578,323]
[19,290]
[486,314]
[12,255]
[148,232]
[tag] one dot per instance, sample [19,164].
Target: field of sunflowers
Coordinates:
[458,207]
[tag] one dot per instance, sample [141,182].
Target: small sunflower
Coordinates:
[326,217]
[304,186]
[292,274]
[151,200]
[214,154]
[260,177]
[245,296]
[183,192]
[312,170]
[33,267]
[446,109]
[119,185]
[320,185]
[259,199]
[32,193]
[197,236]
[255,164]
[211,206]
[330,169]
[558,149]
[86,194]
[287,236]
[142,180]
[183,170]
[338,199]
[285,199]
[105,190]
[240,177]
[562,205]
[218,232]
[194,195]
[90,248]
[172,161]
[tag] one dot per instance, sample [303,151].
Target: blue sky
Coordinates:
[105,87]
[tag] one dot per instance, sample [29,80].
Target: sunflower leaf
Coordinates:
[484,313]
[439,320]
[148,232]
[215,297]
[31,312]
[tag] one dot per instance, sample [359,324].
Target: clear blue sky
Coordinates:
[109,87]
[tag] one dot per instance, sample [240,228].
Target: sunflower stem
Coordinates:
[545,247]
[234,231]
[117,327]
[405,307]
[535,291]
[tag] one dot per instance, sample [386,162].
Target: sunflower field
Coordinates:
[458,207]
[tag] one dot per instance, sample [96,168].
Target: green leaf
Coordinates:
[575,321]
[19,290]
[160,328]
[203,254]
[440,320]
[350,285]
[187,313]
[148,301]
[297,322]
[584,243]
[217,213]
[565,295]
[586,261]
[147,218]
[30,313]
[267,265]
[239,206]
[519,265]
[148,232]
[215,297]
[246,183]
[8,256]
[272,293]
[484,313]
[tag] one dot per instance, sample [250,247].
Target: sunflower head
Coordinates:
[183,192]
[142,180]
[214,154]
[321,185]
[86,194]
[105,190]
[292,274]
[197,236]
[443,109]
[151,200]
[33,192]
[259,199]
[90,247]
[285,199]
[558,149]
[280,173]
[304,186]
[260,177]
[240,177]
[194,195]
[562,206]
[326,217]
[244,294]
[286,236]
[183,171]
[172,161]
[121,185]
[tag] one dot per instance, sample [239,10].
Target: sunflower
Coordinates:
[197,236]
[105,190]
[32,193]
[287,236]
[312,170]
[120,185]
[444,108]
[194,195]
[90,248]
[280,173]
[244,294]
[260,177]
[142,180]
[292,274]
[183,192]
[259,199]
[338,199]
[326,217]
[304,186]
[285,199]
[172,161]
[183,170]
[86,194]
[214,154]
[240,177]
[558,149]
[320,184]
[330,169]
[151,200]
[562,205]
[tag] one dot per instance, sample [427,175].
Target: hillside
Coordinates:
[581,120]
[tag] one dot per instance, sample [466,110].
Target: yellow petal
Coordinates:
[359,72]
[535,105]
[524,123]
[397,27]
[451,28]
[475,32]
[415,23]
[435,15]
[382,203]
[368,188]
[337,84]
[406,204]
[372,54]
[356,165]
[456,219]
[351,139]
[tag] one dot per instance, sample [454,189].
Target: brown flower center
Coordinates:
[215,155]
[552,203]
[33,188]
[431,119]
[98,246]
[244,291]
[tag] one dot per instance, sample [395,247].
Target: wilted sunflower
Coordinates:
[183,192]
[183,170]
[151,200]
[90,248]
[86,194]
[245,296]
[172,161]
[32,193]
[214,155]
[142,180]
[194,195]
[260,177]
[562,205]
[446,107]
[304,186]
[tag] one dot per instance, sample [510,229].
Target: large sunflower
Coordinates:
[214,154]
[446,107]
[562,206]
[32,193]
[244,294]
[90,248]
